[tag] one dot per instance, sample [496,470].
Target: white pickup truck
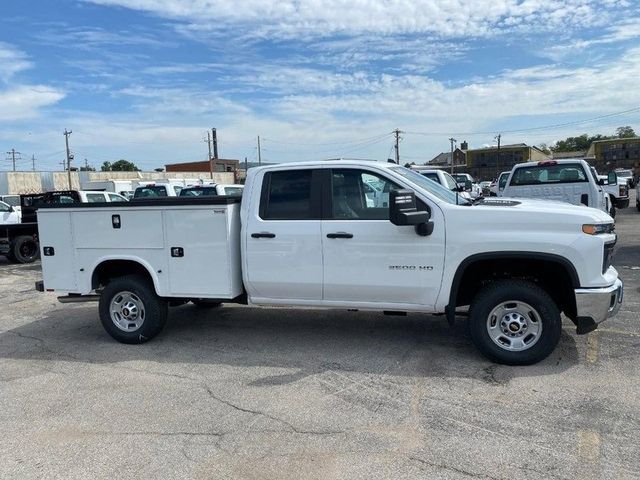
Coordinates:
[306,235]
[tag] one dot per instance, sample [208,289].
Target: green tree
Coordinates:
[545,148]
[119,166]
[625,132]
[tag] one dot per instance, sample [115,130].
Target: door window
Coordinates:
[360,195]
[287,195]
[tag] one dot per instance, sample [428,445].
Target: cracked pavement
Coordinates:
[254,393]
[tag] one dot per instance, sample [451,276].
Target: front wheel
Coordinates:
[612,210]
[514,322]
[130,310]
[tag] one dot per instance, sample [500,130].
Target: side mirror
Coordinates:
[612,178]
[601,181]
[468,185]
[402,209]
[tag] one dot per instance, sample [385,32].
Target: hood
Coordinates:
[545,207]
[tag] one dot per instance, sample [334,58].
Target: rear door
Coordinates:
[283,249]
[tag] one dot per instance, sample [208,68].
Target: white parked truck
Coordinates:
[306,235]
[570,181]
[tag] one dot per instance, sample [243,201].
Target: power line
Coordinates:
[530,129]
[348,142]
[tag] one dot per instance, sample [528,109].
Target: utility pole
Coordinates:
[498,137]
[397,145]
[214,140]
[66,141]
[452,140]
[33,162]
[13,154]
[259,152]
[209,158]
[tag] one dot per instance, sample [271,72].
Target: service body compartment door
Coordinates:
[283,250]
[203,248]
[58,261]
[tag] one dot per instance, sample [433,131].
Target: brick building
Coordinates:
[217,165]
[484,163]
[614,153]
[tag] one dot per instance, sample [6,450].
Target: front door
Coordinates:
[283,251]
[367,259]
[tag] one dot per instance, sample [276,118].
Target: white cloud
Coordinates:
[12,61]
[24,101]
[320,18]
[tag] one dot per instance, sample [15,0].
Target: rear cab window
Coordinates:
[95,197]
[290,195]
[549,174]
[150,191]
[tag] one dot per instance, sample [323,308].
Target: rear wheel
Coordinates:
[130,310]
[24,249]
[514,322]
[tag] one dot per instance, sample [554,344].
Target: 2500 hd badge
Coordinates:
[410,267]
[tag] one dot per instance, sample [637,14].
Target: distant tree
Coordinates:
[625,132]
[545,148]
[119,166]
[88,168]
[583,142]
[160,169]
[570,144]
[408,165]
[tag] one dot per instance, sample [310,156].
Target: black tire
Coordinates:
[24,249]
[205,303]
[149,310]
[612,210]
[638,205]
[515,292]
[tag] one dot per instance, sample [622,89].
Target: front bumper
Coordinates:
[595,305]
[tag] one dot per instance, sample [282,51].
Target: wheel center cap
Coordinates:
[514,326]
[125,312]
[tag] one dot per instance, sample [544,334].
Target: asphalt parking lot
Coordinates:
[283,394]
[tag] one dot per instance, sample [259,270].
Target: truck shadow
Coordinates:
[309,341]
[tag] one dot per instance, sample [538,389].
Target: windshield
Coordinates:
[430,186]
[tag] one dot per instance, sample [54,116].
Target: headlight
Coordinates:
[597,229]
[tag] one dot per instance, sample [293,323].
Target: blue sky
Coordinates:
[144,79]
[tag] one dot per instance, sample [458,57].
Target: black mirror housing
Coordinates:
[468,185]
[612,178]
[402,209]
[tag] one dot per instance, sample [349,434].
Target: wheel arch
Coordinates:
[471,270]
[109,268]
